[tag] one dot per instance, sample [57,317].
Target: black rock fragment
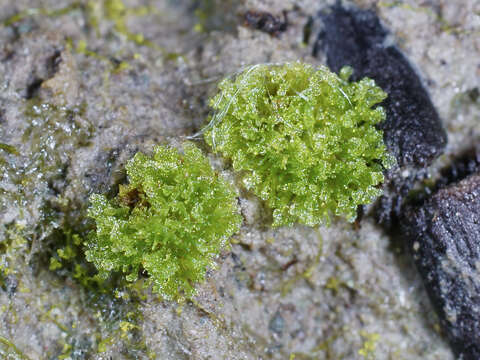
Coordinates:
[464,165]
[461,166]
[412,131]
[444,236]
[266,22]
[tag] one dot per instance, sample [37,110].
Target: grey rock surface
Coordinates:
[81,92]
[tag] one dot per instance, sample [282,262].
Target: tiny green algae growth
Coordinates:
[33,170]
[303,139]
[14,249]
[169,222]
[116,11]
[111,305]
[43,12]
[369,345]
[95,13]
[68,260]
[216,15]
[10,351]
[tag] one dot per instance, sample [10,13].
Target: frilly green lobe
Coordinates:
[172,219]
[304,139]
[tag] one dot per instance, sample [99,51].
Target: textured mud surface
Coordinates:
[84,85]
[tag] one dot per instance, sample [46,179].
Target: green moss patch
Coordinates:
[169,222]
[303,139]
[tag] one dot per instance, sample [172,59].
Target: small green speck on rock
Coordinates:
[170,221]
